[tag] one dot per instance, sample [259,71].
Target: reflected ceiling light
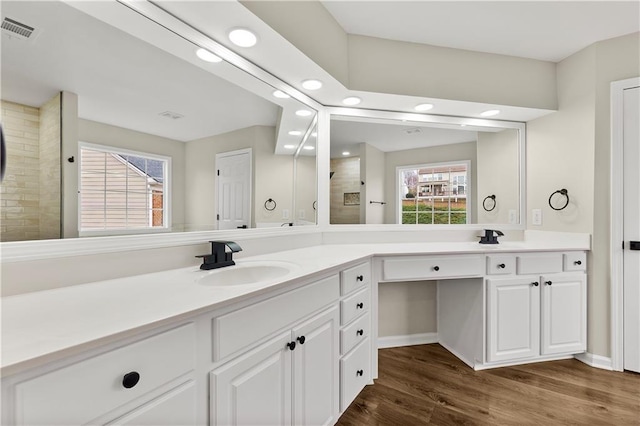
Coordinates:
[280,94]
[463,125]
[243,37]
[423,107]
[490,113]
[312,84]
[303,113]
[295,133]
[314,134]
[309,147]
[289,146]
[346,153]
[207,56]
[351,100]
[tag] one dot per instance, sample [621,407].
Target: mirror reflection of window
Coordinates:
[433,194]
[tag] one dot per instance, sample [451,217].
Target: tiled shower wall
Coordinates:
[30,191]
[346,179]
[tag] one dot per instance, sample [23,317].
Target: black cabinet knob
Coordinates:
[301,339]
[360,332]
[359,373]
[360,278]
[502,266]
[535,283]
[548,282]
[577,262]
[129,380]
[291,345]
[360,305]
[436,268]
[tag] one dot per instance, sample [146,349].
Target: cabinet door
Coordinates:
[255,388]
[315,370]
[564,314]
[176,407]
[513,314]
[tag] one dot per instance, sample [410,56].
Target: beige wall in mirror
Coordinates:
[151,111]
[400,172]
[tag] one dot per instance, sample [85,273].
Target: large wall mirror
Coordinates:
[438,171]
[146,133]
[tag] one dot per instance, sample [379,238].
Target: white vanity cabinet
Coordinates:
[537,315]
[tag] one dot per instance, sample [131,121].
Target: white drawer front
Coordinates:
[539,263]
[354,333]
[241,328]
[574,261]
[354,278]
[81,392]
[432,267]
[355,373]
[499,264]
[354,306]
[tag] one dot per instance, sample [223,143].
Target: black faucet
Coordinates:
[219,257]
[489,237]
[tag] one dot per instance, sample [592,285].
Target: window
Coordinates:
[122,190]
[434,193]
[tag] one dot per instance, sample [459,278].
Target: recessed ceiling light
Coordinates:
[490,113]
[346,153]
[207,56]
[295,133]
[289,146]
[312,84]
[280,94]
[243,37]
[303,113]
[309,147]
[351,100]
[423,107]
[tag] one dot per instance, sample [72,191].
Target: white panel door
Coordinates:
[513,314]
[315,370]
[564,314]
[234,189]
[631,226]
[255,388]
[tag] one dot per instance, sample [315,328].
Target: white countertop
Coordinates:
[48,325]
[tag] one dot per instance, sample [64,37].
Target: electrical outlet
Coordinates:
[301,214]
[513,216]
[536,217]
[285,213]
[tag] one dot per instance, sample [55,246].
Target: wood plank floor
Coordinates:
[426,384]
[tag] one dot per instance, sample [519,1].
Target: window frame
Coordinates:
[468,189]
[166,197]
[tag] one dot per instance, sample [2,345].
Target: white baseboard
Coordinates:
[596,361]
[407,340]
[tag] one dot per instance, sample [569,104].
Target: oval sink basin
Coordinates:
[246,273]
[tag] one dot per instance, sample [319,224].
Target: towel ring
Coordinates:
[562,192]
[484,202]
[315,205]
[270,204]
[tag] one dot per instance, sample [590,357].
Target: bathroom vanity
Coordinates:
[172,348]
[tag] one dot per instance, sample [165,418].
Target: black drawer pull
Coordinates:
[301,339]
[360,278]
[360,305]
[436,268]
[577,262]
[130,379]
[502,266]
[535,283]
[360,332]
[291,345]
[548,282]
[359,373]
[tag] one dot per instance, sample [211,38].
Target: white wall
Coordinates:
[497,174]
[118,137]
[372,170]
[306,188]
[407,308]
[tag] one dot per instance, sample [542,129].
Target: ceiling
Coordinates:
[544,30]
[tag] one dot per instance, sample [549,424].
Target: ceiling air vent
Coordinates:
[170,114]
[412,131]
[17,29]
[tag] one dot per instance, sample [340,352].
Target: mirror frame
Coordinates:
[323,178]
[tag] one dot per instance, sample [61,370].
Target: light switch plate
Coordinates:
[285,213]
[536,217]
[513,216]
